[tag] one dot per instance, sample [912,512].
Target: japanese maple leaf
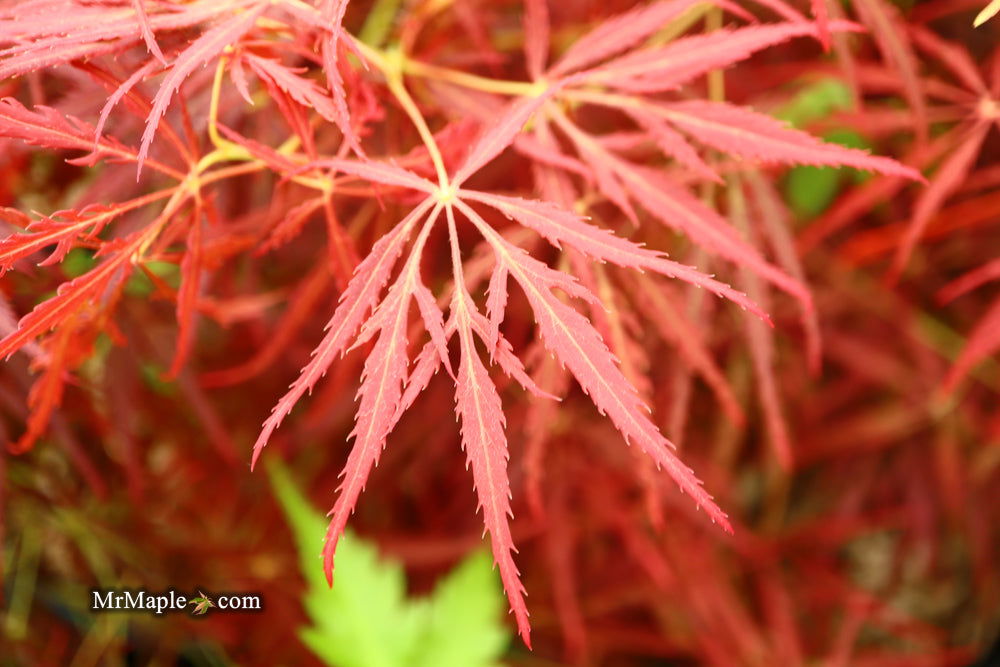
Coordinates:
[604,68]
[965,103]
[888,29]
[388,388]
[202,603]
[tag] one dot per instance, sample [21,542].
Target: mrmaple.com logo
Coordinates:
[172,601]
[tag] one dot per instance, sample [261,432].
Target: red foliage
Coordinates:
[221,133]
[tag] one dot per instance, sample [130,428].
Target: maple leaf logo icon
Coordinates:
[202,604]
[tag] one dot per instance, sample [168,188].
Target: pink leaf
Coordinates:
[63,228]
[752,135]
[147,31]
[572,338]
[667,67]
[69,298]
[617,34]
[202,50]
[559,226]
[380,172]
[673,144]
[380,393]
[677,208]
[335,81]
[434,322]
[239,77]
[954,56]
[478,405]
[304,91]
[496,304]
[501,133]
[360,296]
[44,126]
[119,93]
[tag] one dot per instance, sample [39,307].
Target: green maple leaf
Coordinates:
[366,618]
[202,604]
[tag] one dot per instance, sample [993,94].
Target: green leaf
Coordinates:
[139,284]
[366,619]
[77,262]
[809,191]
[815,102]
[463,626]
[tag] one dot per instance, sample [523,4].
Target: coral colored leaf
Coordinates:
[502,354]
[619,33]
[496,303]
[672,143]
[380,172]
[239,77]
[761,342]
[427,363]
[301,307]
[199,53]
[433,321]
[478,406]
[379,396]
[75,23]
[304,91]
[46,393]
[678,209]
[55,52]
[572,338]
[360,296]
[595,155]
[335,81]
[121,92]
[332,12]
[667,67]
[548,155]
[954,56]
[70,298]
[291,225]
[147,31]
[501,133]
[743,132]
[48,128]
[63,228]
[559,226]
